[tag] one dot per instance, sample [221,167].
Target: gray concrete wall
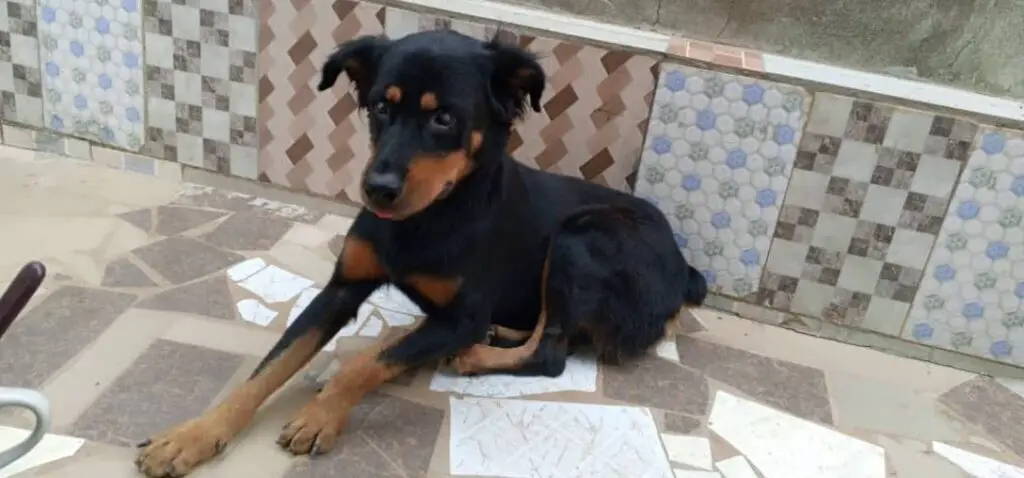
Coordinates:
[973,44]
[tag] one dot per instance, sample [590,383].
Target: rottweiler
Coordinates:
[479,241]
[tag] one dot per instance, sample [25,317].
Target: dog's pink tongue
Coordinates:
[384,215]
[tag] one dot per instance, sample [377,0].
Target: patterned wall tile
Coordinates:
[717,161]
[869,189]
[971,296]
[595,106]
[21,89]
[201,83]
[311,141]
[92,70]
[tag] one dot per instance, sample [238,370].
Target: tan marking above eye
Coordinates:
[393,94]
[428,102]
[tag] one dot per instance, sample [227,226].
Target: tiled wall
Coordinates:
[169,79]
[860,214]
[802,204]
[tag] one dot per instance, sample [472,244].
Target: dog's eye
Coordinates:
[380,108]
[442,120]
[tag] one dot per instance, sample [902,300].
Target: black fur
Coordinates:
[616,275]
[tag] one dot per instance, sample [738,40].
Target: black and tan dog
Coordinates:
[473,237]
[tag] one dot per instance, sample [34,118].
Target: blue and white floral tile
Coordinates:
[717,160]
[972,297]
[92,73]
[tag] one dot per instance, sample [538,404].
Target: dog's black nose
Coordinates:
[382,189]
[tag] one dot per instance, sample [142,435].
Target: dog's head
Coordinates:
[436,100]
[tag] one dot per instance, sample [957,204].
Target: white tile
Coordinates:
[335,224]
[274,284]
[735,467]
[51,448]
[1014,384]
[362,315]
[306,235]
[782,446]
[688,450]
[978,466]
[521,438]
[667,349]
[580,375]
[305,298]
[252,310]
[717,161]
[389,297]
[396,319]
[93,80]
[695,474]
[374,326]
[244,270]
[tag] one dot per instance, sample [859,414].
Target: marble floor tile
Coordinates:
[51,448]
[274,284]
[182,259]
[978,466]
[387,437]
[680,424]
[682,389]
[795,388]
[248,232]
[209,297]
[988,405]
[140,218]
[717,161]
[780,446]
[123,273]
[21,87]
[92,70]
[870,186]
[202,84]
[861,403]
[688,450]
[168,384]
[495,437]
[971,296]
[580,375]
[172,220]
[909,458]
[735,467]
[54,331]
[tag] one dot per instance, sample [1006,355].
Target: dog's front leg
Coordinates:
[317,426]
[178,451]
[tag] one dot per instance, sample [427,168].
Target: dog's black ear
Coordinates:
[517,80]
[358,58]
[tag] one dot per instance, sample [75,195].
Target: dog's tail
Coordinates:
[695,288]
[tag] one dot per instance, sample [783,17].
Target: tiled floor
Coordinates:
[161,296]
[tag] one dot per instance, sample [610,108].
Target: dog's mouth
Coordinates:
[398,214]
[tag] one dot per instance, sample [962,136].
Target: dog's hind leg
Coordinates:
[178,451]
[542,353]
